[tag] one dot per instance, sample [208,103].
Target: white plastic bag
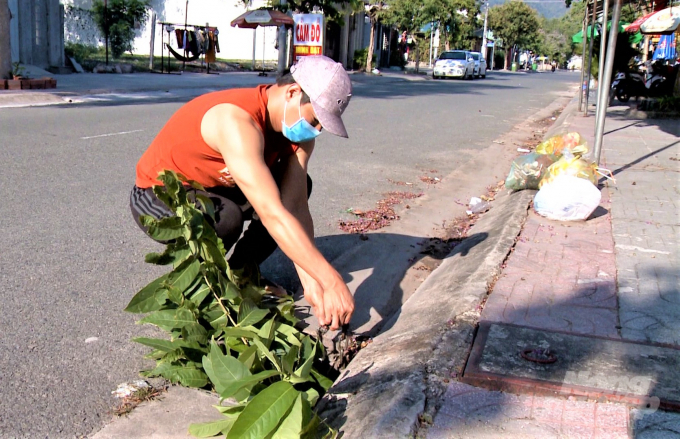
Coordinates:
[567,198]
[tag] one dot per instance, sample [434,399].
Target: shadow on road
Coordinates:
[365,87]
[373,270]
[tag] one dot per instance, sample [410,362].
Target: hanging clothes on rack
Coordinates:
[192,43]
[200,40]
[181,38]
[213,45]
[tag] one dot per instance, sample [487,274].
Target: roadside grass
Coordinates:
[89,57]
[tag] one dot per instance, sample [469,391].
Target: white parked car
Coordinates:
[480,64]
[454,64]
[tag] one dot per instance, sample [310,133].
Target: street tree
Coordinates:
[5,46]
[118,20]
[410,16]
[457,21]
[517,25]
[330,8]
[375,12]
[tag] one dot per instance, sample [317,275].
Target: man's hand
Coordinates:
[314,295]
[338,305]
[332,308]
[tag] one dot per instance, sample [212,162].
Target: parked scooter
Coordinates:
[634,84]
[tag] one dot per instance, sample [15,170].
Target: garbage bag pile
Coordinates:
[565,179]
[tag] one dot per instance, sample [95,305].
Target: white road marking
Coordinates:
[111,134]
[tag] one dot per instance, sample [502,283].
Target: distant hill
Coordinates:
[547,8]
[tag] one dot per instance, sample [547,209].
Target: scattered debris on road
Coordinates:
[430,180]
[378,218]
[134,393]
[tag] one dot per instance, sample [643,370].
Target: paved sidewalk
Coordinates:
[615,275]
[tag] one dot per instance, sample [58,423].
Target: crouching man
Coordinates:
[250,148]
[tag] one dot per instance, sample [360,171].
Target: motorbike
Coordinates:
[634,84]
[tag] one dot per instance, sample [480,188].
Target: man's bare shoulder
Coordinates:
[224,119]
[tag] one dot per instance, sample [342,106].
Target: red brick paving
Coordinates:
[560,276]
[469,411]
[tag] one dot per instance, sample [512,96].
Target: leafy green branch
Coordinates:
[225,332]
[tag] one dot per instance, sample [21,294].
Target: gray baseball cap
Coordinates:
[328,86]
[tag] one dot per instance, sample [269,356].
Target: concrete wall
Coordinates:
[36,32]
[235,43]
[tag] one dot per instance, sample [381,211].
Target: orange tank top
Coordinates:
[180,147]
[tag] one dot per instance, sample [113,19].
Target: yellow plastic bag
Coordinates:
[570,141]
[570,164]
[528,170]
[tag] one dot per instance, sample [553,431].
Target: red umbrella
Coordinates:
[262,17]
[665,21]
[635,26]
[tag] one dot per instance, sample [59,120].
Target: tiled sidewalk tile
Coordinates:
[611,416]
[579,413]
[471,412]
[547,409]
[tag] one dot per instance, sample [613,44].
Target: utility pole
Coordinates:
[486,17]
[431,35]
[282,43]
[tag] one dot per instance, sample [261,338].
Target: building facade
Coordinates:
[36,32]
[235,43]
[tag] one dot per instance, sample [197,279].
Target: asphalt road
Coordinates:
[72,256]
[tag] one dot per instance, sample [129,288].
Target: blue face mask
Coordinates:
[301,131]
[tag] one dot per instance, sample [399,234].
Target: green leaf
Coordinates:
[298,417]
[247,382]
[268,331]
[145,300]
[195,332]
[183,276]
[210,429]
[288,360]
[304,370]
[267,353]
[264,411]
[229,289]
[239,332]
[169,319]
[200,294]
[248,357]
[252,292]
[311,429]
[324,382]
[223,369]
[167,229]
[157,343]
[186,374]
[191,377]
[249,314]
[312,396]
[175,295]
[290,334]
[206,205]
[210,252]
[229,410]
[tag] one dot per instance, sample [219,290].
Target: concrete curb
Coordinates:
[383,390]
[399,376]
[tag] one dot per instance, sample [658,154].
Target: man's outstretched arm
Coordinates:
[236,136]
